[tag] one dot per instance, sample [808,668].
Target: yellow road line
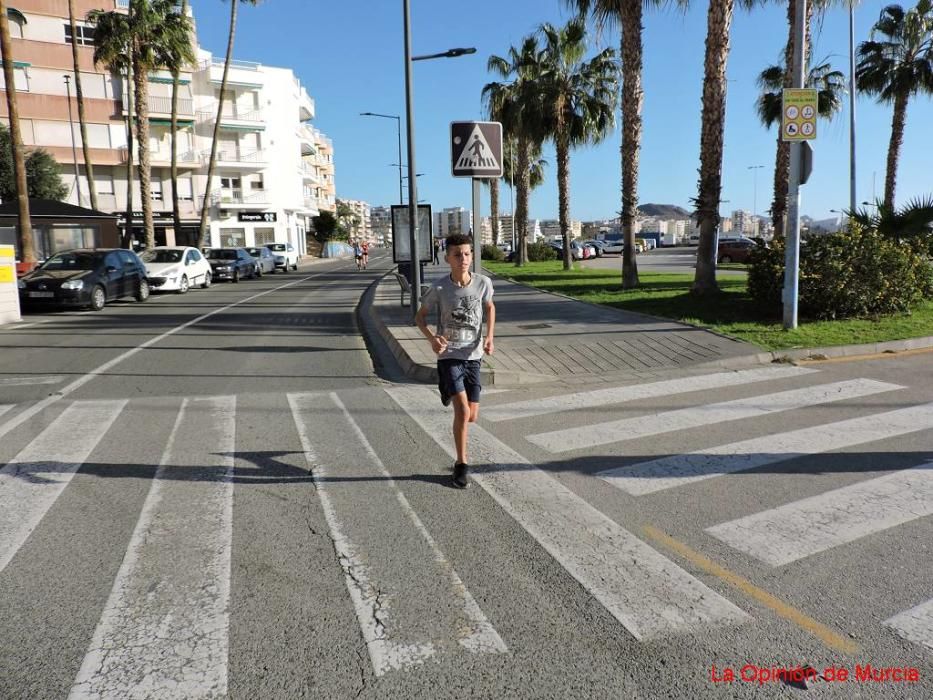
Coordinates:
[788,612]
[868,356]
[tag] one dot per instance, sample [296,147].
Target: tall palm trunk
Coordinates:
[719,21]
[520,223]
[27,250]
[82,119]
[894,148]
[494,207]
[205,232]
[142,137]
[130,114]
[563,192]
[176,209]
[782,155]
[632,99]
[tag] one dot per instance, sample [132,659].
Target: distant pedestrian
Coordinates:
[459,301]
[365,248]
[358,254]
[437,249]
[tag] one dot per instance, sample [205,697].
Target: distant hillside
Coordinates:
[667,211]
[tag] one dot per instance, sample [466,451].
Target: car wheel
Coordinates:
[142,293]
[259,272]
[295,266]
[98,298]
[183,286]
[236,276]
[725,259]
[207,280]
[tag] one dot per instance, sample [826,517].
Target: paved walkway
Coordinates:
[542,336]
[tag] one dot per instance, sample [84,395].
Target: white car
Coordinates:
[176,269]
[285,255]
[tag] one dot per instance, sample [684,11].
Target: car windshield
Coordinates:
[162,256]
[255,252]
[221,254]
[73,261]
[276,246]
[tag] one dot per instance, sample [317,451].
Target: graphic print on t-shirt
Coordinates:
[462,325]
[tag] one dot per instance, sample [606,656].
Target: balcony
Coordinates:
[163,159]
[237,199]
[309,174]
[235,118]
[242,74]
[305,105]
[255,160]
[162,106]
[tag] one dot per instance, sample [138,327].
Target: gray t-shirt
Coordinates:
[459,314]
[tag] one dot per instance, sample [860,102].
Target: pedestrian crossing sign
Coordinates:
[476,149]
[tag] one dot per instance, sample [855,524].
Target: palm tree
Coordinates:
[536,167]
[27,250]
[579,99]
[831,86]
[176,210]
[913,221]
[718,23]
[518,106]
[82,119]
[204,233]
[894,69]
[159,37]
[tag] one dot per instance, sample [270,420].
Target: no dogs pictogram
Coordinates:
[476,149]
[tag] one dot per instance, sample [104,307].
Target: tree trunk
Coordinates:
[205,206]
[130,113]
[176,210]
[632,99]
[141,77]
[494,207]
[27,248]
[782,156]
[563,195]
[894,148]
[82,120]
[520,223]
[719,20]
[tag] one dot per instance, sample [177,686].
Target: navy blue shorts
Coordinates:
[454,376]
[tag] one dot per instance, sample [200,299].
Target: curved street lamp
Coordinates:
[398,125]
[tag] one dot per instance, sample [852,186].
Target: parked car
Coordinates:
[231,264]
[734,250]
[85,277]
[285,255]
[265,260]
[577,251]
[596,246]
[176,269]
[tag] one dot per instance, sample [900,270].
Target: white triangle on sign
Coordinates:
[476,153]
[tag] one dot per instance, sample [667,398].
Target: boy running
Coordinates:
[364,246]
[459,301]
[358,254]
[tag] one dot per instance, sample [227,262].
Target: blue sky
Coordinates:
[349,56]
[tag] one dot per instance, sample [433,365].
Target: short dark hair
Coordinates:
[458,239]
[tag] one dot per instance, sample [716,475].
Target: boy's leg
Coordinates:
[473,386]
[461,422]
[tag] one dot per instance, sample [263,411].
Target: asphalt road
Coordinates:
[227,494]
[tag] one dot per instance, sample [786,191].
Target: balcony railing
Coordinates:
[232,113]
[163,105]
[237,196]
[121,4]
[241,65]
[187,158]
[235,157]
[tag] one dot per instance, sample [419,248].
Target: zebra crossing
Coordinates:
[164,631]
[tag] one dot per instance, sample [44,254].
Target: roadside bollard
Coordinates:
[9,292]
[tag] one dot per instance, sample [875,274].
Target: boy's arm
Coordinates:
[438,342]
[488,344]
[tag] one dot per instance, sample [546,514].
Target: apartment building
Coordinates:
[274,170]
[380,223]
[452,220]
[550,228]
[363,228]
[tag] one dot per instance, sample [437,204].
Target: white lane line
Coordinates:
[916,624]
[796,530]
[81,381]
[6,407]
[596,434]
[32,482]
[637,392]
[394,632]
[163,631]
[679,470]
[647,593]
[26,381]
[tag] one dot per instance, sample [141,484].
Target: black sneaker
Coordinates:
[445,399]
[461,475]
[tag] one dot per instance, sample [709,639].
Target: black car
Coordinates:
[85,277]
[231,263]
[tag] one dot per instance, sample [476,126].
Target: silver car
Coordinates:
[265,260]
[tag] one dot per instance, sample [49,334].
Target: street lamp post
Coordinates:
[71,128]
[398,124]
[755,169]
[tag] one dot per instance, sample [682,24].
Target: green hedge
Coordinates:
[541,251]
[491,252]
[851,274]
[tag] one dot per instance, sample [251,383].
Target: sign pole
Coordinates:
[414,253]
[792,242]
[477,227]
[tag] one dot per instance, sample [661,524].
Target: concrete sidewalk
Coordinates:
[545,337]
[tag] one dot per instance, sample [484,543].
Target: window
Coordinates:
[233,237]
[155,185]
[20,79]
[184,189]
[265,235]
[85,35]
[258,183]
[230,183]
[16,24]
[104,184]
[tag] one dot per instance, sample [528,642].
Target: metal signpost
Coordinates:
[798,124]
[476,152]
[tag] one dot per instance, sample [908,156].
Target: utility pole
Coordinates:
[71,128]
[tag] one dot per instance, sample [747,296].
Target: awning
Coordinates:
[237,127]
[168,122]
[15,14]
[168,81]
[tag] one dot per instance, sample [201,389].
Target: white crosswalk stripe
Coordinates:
[916,624]
[163,632]
[6,407]
[708,414]
[683,469]
[638,392]
[32,482]
[818,523]
[382,580]
[646,592]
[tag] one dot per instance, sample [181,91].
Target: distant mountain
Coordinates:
[666,211]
